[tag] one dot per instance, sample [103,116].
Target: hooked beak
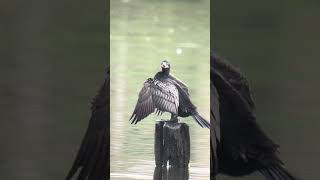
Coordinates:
[164,65]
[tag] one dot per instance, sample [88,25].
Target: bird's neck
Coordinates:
[165,71]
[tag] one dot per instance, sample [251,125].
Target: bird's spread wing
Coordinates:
[155,95]
[241,136]
[214,128]
[93,156]
[233,76]
[180,84]
[214,110]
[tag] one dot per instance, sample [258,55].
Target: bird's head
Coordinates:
[165,64]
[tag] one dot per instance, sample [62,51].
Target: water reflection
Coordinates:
[171,173]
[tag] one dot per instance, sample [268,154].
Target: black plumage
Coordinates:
[165,93]
[238,144]
[92,160]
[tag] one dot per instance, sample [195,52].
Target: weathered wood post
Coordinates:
[172,144]
[171,173]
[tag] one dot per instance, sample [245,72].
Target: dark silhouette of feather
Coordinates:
[233,76]
[92,160]
[243,147]
[214,128]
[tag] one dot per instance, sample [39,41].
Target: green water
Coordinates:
[143,33]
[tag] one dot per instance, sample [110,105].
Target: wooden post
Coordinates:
[158,143]
[171,173]
[172,144]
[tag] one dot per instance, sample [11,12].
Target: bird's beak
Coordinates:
[164,65]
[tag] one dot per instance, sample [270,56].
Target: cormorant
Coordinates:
[165,93]
[238,145]
[93,157]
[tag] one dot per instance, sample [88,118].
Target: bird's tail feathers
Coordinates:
[201,121]
[277,173]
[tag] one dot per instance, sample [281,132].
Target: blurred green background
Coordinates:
[143,33]
[276,44]
[53,55]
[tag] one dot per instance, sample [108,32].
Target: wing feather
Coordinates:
[240,133]
[233,76]
[92,160]
[180,83]
[155,96]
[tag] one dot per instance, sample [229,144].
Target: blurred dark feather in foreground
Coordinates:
[92,160]
[238,145]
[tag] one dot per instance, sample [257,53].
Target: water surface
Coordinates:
[143,33]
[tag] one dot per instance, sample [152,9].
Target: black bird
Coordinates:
[93,156]
[238,145]
[165,93]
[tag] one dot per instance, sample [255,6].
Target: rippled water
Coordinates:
[143,33]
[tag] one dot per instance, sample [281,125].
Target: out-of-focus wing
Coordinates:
[215,110]
[93,156]
[242,140]
[214,128]
[243,147]
[155,95]
[233,76]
